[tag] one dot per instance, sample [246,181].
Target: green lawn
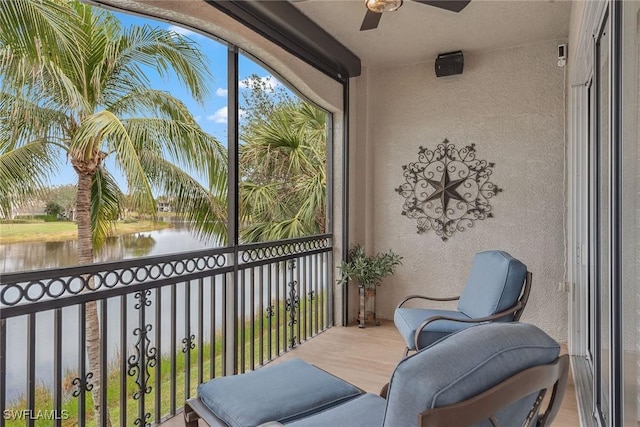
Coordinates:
[65,230]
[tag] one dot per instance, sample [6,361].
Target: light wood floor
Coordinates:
[367,357]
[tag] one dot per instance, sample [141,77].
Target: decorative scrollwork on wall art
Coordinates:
[447,189]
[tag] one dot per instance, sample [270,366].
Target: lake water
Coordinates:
[40,255]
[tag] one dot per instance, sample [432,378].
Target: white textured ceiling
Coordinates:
[417,33]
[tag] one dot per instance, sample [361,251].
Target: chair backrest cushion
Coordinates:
[463,365]
[494,284]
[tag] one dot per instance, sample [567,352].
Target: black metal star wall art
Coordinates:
[447,189]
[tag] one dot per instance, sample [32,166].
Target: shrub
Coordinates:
[46,218]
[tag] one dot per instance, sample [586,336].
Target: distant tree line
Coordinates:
[61,201]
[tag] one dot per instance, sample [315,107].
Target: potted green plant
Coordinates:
[368,271]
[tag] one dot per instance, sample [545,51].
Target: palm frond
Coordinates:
[41,51]
[104,126]
[312,191]
[313,120]
[23,120]
[147,102]
[184,142]
[105,206]
[34,29]
[205,212]
[259,201]
[164,51]
[268,231]
[49,82]
[23,172]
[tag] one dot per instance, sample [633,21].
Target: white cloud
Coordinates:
[269,81]
[221,92]
[197,118]
[183,31]
[221,115]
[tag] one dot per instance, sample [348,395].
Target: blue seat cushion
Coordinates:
[407,321]
[366,410]
[465,364]
[493,285]
[282,392]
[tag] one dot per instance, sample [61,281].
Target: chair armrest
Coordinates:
[491,318]
[410,297]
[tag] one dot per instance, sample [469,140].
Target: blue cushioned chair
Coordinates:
[497,289]
[492,374]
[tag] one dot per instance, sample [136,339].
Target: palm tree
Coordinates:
[283,167]
[73,82]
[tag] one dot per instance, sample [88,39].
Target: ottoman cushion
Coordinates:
[283,392]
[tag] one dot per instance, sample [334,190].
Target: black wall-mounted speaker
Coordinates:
[449,64]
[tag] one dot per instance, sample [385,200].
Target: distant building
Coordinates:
[31,207]
[164,206]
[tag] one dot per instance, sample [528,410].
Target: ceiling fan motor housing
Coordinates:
[449,64]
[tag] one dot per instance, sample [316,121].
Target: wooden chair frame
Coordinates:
[195,409]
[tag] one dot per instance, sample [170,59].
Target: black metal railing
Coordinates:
[166,324]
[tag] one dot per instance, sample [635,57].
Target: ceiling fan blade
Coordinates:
[370,20]
[452,5]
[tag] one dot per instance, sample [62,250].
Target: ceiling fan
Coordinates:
[375,8]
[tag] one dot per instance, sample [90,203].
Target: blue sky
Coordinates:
[212,117]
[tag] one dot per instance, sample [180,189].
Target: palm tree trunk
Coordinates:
[92,326]
[83,218]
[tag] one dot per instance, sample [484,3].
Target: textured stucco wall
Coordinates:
[510,104]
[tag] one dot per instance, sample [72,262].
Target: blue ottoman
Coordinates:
[284,393]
